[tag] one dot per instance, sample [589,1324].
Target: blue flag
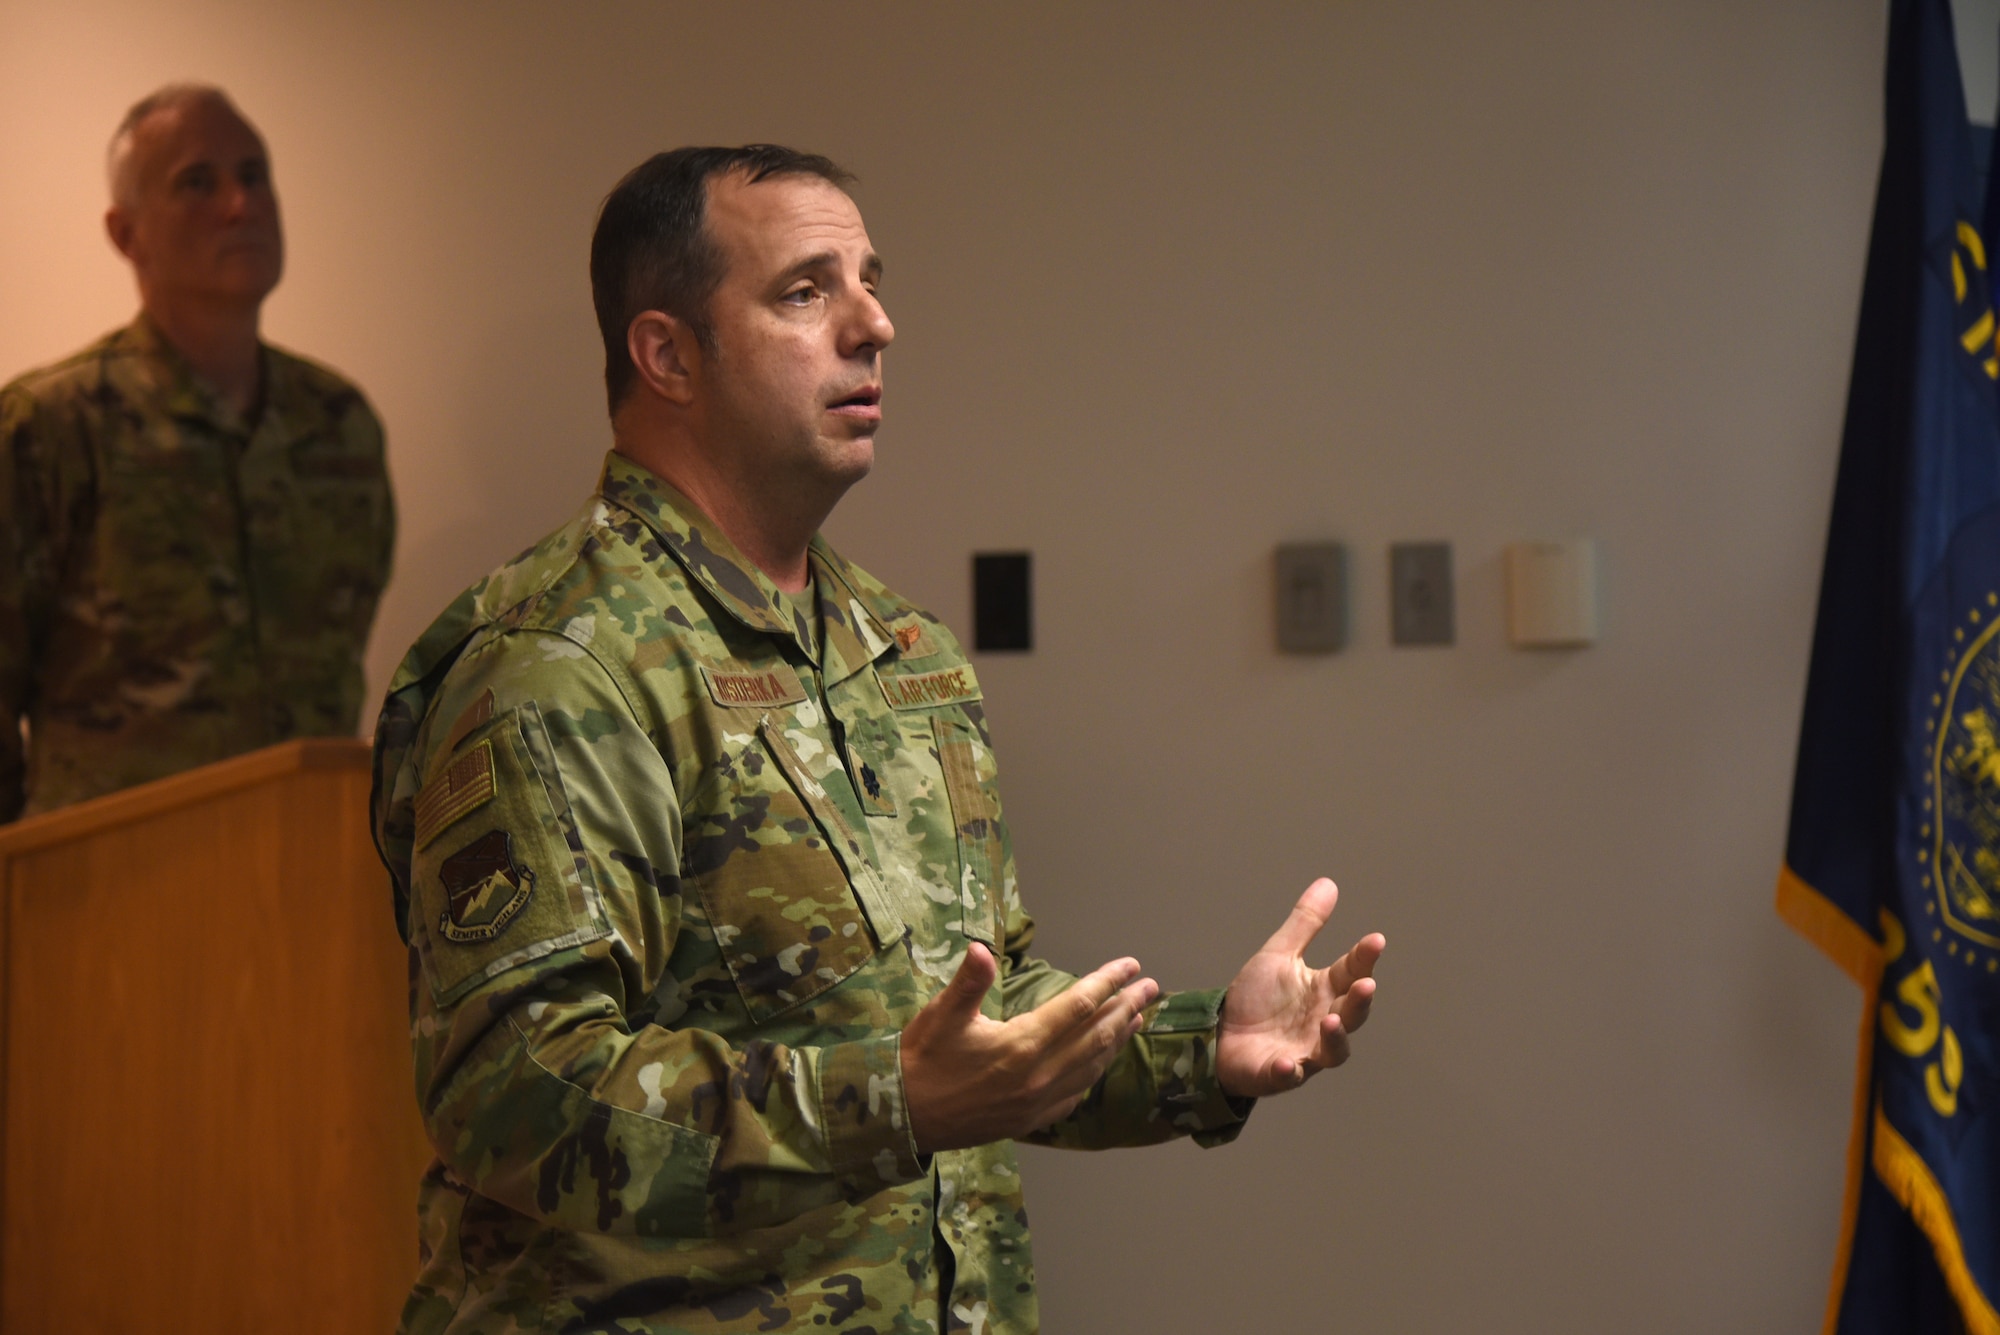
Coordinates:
[1892,860]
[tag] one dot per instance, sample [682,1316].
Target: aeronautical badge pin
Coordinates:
[913,640]
[486,886]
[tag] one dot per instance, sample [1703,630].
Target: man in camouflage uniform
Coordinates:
[704,874]
[194,525]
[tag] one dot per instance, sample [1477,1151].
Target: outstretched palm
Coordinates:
[1283,1021]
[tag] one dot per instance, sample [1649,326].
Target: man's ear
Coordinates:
[118,226]
[666,354]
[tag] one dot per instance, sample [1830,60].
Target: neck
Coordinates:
[773,526]
[219,343]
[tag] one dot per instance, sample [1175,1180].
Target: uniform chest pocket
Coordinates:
[344,494]
[794,902]
[318,522]
[165,543]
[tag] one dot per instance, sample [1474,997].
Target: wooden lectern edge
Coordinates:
[179,790]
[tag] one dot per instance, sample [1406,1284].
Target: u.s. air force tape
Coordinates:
[923,690]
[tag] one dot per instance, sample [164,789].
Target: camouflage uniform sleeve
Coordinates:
[1163,1085]
[32,530]
[545,906]
[382,558]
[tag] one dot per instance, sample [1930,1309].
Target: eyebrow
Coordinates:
[871,266]
[219,164]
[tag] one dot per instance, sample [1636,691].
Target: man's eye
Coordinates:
[198,181]
[253,174]
[800,296]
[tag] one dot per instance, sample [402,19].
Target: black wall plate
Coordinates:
[1002,602]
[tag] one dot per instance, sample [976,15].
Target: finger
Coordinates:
[1359,962]
[962,996]
[1302,924]
[1079,1004]
[1084,1055]
[1108,1030]
[1355,1003]
[1087,1050]
[1285,1073]
[1333,1048]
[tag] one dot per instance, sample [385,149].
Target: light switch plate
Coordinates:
[1312,597]
[1420,601]
[1552,594]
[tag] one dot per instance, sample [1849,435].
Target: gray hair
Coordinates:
[118,159]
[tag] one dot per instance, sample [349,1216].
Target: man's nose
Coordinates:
[241,199]
[868,328]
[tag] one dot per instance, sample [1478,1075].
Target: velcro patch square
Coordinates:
[913,640]
[464,786]
[476,716]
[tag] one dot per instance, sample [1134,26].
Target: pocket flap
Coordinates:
[495,879]
[975,817]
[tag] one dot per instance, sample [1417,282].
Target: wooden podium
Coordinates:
[208,1117]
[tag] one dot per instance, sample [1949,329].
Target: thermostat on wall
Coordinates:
[1552,594]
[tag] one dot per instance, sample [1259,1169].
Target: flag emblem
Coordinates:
[1963,816]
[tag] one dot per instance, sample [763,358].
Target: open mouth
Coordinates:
[867,397]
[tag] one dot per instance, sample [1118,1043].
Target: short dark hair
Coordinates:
[652,251]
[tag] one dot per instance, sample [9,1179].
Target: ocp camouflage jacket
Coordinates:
[674,876]
[178,585]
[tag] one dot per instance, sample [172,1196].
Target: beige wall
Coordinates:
[1174,283]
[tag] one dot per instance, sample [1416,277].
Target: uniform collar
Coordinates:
[181,393]
[854,635]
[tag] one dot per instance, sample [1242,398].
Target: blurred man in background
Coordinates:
[195,526]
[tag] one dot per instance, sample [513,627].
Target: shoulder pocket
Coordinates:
[499,874]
